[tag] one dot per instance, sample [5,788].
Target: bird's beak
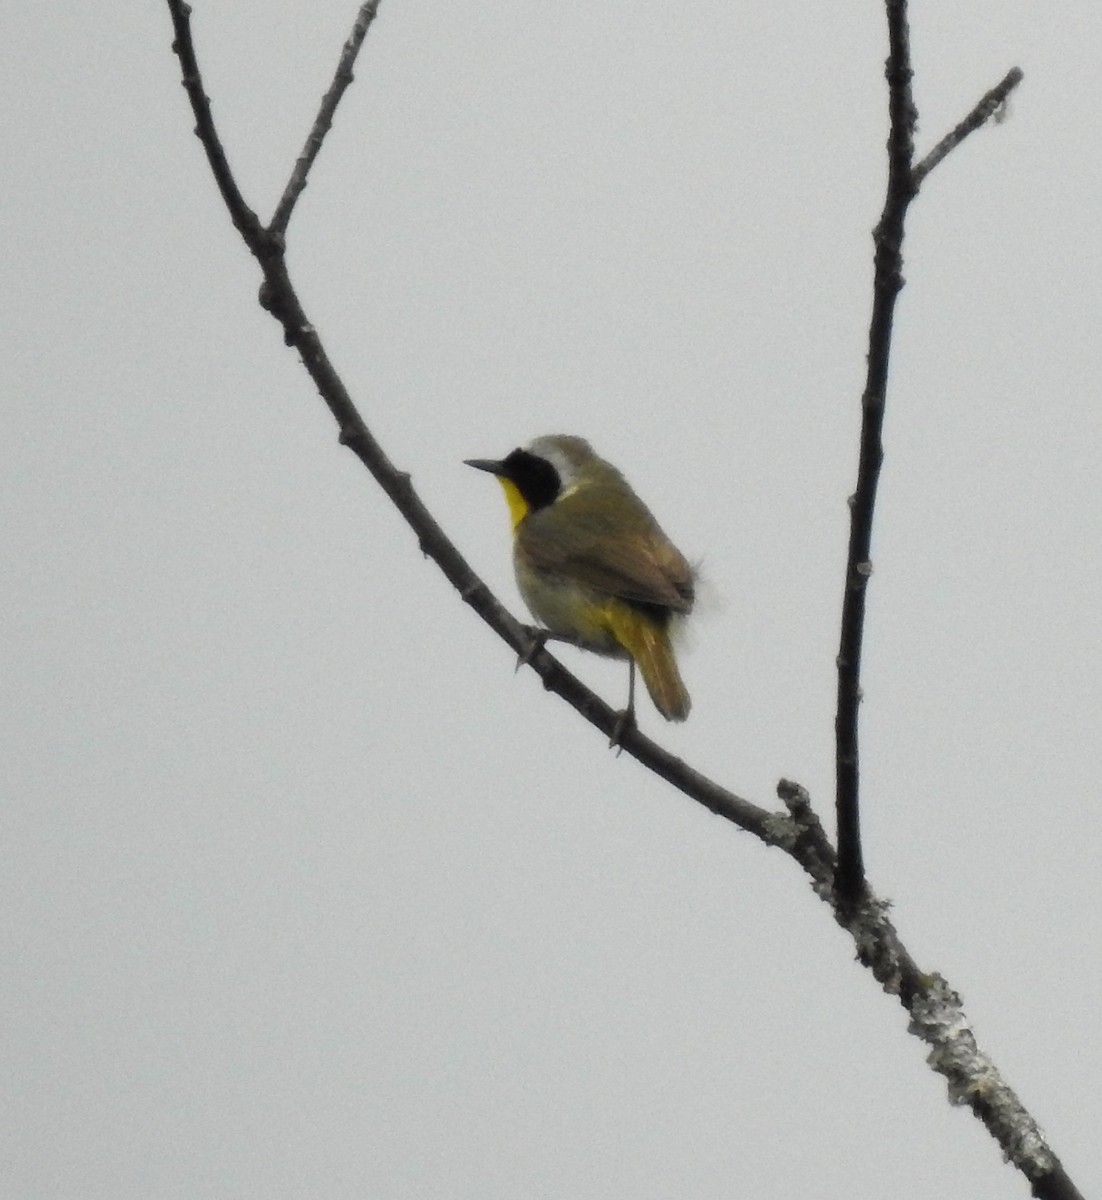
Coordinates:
[494,466]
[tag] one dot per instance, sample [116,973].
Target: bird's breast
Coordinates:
[567,608]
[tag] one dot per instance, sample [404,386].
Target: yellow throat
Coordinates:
[518,506]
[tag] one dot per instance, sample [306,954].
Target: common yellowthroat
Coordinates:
[592,563]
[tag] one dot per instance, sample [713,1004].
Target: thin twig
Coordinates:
[887,282]
[904,178]
[987,107]
[324,120]
[936,1016]
[245,220]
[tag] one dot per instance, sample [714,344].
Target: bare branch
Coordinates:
[903,182]
[324,120]
[243,217]
[887,283]
[987,107]
[937,1015]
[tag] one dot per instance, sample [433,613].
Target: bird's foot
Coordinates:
[625,722]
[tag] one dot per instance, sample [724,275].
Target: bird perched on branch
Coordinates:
[592,563]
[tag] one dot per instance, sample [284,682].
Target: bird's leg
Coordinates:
[626,719]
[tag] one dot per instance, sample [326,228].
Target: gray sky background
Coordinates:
[303,892]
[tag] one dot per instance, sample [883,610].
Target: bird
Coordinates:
[593,565]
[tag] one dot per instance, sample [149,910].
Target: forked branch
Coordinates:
[904,180]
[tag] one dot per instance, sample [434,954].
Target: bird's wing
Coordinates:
[630,558]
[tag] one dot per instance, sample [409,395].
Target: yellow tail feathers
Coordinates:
[648,643]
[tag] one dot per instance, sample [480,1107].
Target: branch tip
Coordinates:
[988,107]
[323,122]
